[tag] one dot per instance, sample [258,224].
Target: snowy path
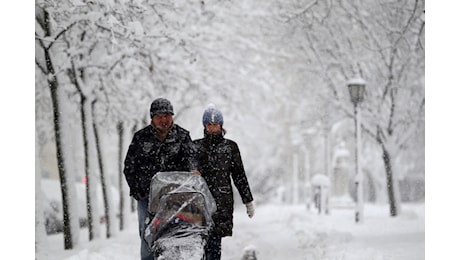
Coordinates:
[293,232]
[288,232]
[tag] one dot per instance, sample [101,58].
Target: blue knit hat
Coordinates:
[212,116]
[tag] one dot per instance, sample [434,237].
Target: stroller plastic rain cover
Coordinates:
[181,208]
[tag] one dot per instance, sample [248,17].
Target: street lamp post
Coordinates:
[356,87]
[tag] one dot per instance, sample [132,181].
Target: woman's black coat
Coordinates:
[220,162]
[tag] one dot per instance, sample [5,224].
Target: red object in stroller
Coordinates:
[180,206]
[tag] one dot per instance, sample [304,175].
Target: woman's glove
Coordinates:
[250,209]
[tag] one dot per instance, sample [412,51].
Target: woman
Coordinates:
[220,162]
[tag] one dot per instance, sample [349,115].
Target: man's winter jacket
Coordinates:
[220,162]
[147,155]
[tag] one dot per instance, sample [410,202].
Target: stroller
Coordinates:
[180,207]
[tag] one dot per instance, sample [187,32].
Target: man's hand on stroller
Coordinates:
[250,209]
[140,196]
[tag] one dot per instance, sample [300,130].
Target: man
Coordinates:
[219,163]
[160,146]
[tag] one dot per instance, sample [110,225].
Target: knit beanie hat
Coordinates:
[212,116]
[161,106]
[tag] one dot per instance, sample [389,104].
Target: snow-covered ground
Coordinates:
[285,232]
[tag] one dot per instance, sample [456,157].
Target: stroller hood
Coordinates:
[179,182]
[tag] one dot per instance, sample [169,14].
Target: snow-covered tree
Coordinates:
[47,34]
[384,43]
[276,69]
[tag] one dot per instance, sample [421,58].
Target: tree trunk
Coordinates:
[390,182]
[120,129]
[53,85]
[88,180]
[43,19]
[133,201]
[73,75]
[101,170]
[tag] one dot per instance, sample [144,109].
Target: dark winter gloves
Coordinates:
[250,209]
[140,196]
